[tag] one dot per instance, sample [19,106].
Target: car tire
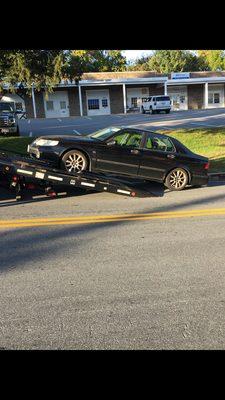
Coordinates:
[74,162]
[167,111]
[177,179]
[18,131]
[143,110]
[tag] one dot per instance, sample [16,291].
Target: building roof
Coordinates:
[120,75]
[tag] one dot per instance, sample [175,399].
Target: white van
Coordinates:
[155,104]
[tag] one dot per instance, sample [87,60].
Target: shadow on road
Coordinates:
[22,246]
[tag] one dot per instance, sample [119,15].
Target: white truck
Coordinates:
[155,104]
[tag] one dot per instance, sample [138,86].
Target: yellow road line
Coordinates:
[113,216]
[90,219]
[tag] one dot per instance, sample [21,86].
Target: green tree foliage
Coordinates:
[79,61]
[215,59]
[167,61]
[140,64]
[43,68]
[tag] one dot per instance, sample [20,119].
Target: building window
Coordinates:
[93,104]
[49,105]
[62,105]
[104,102]
[134,102]
[214,98]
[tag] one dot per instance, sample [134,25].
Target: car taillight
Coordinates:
[206,166]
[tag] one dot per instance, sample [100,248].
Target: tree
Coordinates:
[167,61]
[214,58]
[140,64]
[79,61]
[41,68]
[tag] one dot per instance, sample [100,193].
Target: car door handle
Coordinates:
[135,151]
[170,156]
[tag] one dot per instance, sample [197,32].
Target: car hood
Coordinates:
[70,138]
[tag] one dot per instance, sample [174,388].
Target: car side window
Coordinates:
[121,139]
[134,140]
[128,139]
[159,144]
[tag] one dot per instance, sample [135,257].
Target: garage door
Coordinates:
[98,102]
[57,105]
[178,97]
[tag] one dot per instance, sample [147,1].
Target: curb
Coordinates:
[217,176]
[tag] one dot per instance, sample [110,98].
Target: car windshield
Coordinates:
[105,133]
[6,107]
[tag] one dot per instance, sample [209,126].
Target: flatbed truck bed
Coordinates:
[23,173]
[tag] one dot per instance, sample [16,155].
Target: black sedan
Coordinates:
[125,151]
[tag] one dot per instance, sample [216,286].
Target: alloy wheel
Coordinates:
[178,179]
[75,163]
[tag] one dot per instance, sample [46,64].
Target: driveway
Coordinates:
[85,125]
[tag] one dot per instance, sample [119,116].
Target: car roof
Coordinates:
[142,130]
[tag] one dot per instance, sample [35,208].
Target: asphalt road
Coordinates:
[151,277]
[85,125]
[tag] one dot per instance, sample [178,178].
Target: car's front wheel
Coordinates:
[176,179]
[74,162]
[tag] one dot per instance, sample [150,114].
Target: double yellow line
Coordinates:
[93,219]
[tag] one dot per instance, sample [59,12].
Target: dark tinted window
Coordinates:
[163,98]
[128,139]
[160,144]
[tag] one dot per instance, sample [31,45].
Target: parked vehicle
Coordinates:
[155,104]
[125,151]
[8,119]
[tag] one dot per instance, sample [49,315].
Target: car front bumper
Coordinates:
[8,129]
[49,154]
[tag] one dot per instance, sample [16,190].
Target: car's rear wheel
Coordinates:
[176,179]
[74,162]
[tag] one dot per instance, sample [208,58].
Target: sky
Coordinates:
[131,55]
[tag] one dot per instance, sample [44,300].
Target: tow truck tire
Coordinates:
[74,161]
[143,110]
[177,179]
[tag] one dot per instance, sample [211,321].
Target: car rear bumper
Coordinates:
[161,108]
[199,180]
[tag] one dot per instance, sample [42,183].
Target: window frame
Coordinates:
[95,102]
[123,131]
[152,135]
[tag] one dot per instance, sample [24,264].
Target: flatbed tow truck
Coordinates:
[21,175]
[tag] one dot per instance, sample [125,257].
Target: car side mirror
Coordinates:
[111,143]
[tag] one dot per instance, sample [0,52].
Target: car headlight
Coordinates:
[45,142]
